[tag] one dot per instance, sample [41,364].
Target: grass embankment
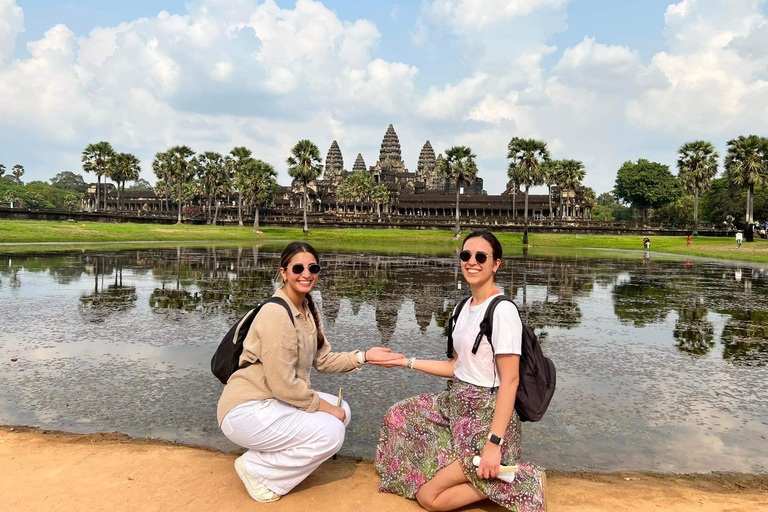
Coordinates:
[362,239]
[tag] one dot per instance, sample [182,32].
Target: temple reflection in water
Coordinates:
[550,292]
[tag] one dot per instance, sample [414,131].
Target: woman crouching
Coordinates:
[270,407]
[428,442]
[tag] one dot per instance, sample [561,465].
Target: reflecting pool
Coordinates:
[661,363]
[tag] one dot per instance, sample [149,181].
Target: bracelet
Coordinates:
[365,356]
[410,363]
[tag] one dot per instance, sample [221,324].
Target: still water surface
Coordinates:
[661,364]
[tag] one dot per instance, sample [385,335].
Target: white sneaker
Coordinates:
[256,489]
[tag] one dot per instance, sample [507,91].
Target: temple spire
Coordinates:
[359,164]
[390,146]
[334,163]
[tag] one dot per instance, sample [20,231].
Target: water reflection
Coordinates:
[633,341]
[548,290]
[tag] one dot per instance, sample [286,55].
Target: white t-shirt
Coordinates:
[480,368]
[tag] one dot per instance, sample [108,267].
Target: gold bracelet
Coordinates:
[410,363]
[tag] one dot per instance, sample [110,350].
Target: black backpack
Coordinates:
[227,356]
[537,373]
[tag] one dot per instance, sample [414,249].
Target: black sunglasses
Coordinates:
[480,256]
[298,268]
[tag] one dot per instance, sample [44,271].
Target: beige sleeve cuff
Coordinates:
[314,404]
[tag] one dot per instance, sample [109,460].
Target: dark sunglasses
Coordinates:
[480,256]
[298,268]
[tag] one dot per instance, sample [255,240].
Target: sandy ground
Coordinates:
[51,471]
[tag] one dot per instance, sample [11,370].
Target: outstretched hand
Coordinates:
[379,355]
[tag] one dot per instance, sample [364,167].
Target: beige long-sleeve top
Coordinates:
[283,356]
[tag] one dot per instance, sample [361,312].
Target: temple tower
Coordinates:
[426,170]
[334,164]
[359,164]
[390,147]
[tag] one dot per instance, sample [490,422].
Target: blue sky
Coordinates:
[601,81]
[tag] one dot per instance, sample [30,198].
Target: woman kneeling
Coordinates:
[269,406]
[428,442]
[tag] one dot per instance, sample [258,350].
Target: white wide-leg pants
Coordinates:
[285,444]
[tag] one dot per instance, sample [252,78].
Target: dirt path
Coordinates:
[56,471]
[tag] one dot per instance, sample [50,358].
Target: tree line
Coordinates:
[648,188]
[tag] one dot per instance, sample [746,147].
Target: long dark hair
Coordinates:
[291,250]
[488,237]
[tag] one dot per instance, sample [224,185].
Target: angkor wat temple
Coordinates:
[419,194]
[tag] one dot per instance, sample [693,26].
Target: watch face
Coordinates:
[494,439]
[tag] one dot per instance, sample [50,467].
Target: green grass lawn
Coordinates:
[362,239]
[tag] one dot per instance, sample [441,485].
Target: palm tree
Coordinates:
[18,172]
[696,166]
[240,156]
[344,194]
[211,169]
[379,195]
[745,164]
[305,165]
[360,186]
[259,187]
[527,158]
[590,199]
[95,159]
[568,174]
[162,166]
[123,167]
[550,174]
[181,169]
[458,167]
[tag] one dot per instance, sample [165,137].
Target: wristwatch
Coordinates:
[495,439]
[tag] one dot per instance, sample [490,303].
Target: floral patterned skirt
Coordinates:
[426,433]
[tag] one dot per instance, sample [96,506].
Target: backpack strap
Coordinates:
[452,324]
[273,300]
[486,325]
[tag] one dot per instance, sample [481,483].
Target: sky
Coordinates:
[601,81]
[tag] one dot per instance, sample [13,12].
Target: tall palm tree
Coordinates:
[745,164]
[696,166]
[568,174]
[162,167]
[123,167]
[305,165]
[458,167]
[379,196]
[527,158]
[211,170]
[240,156]
[182,171]
[360,187]
[95,159]
[18,172]
[549,174]
[259,187]
[344,194]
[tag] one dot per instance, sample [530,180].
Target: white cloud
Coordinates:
[708,80]
[452,101]
[606,67]
[678,12]
[477,14]
[11,25]
[221,71]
